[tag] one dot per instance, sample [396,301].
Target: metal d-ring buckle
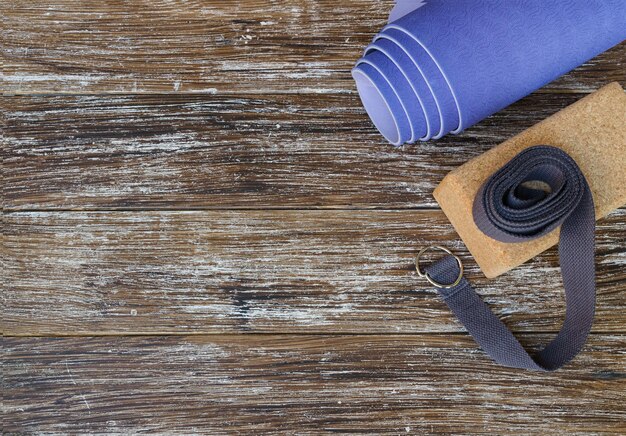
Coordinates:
[428,277]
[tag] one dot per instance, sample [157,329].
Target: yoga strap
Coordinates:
[511,208]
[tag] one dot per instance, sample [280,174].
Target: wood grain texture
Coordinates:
[304,385]
[187,191]
[267,271]
[199,152]
[204,46]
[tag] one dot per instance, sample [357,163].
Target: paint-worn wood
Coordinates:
[199,152]
[303,385]
[214,47]
[256,110]
[266,271]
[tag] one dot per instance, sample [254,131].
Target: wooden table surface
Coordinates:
[203,233]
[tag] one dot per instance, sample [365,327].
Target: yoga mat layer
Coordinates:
[443,65]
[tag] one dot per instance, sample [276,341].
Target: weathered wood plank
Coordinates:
[303,384]
[205,46]
[266,271]
[230,133]
[199,152]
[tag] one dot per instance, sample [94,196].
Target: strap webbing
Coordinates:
[509,210]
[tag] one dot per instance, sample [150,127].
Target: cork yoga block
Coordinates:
[592,131]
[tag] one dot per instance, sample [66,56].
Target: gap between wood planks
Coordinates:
[227,94]
[228,209]
[270,334]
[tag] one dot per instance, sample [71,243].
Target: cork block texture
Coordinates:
[592,131]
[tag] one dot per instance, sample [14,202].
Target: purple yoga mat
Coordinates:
[444,65]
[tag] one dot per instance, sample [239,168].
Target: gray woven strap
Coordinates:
[510,209]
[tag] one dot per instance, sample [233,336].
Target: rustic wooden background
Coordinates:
[202,232]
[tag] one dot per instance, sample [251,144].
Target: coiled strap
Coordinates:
[538,190]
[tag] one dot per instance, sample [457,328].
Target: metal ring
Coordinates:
[428,277]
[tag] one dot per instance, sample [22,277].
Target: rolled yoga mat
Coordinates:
[441,66]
